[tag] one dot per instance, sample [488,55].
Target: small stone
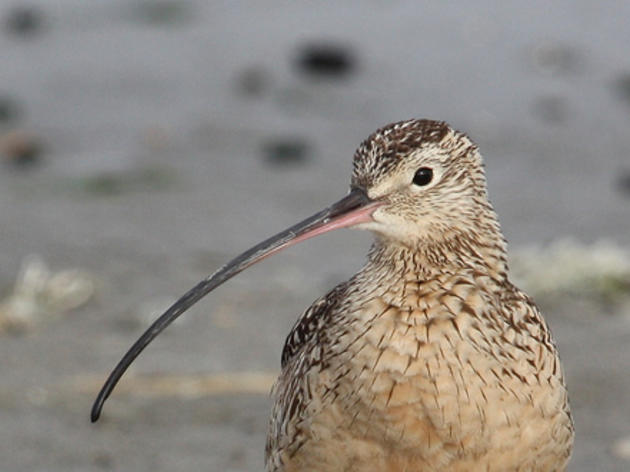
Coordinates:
[161,12]
[20,148]
[556,58]
[325,60]
[286,151]
[252,81]
[623,182]
[24,20]
[9,109]
[551,109]
[621,87]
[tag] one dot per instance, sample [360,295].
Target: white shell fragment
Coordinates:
[39,294]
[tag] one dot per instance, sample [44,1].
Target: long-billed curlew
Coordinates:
[428,359]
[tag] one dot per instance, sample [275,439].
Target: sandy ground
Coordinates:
[166,136]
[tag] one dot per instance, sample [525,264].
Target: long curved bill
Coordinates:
[353,209]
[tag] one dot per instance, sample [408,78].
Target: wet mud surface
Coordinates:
[145,143]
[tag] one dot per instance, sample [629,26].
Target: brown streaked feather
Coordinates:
[310,323]
[429,358]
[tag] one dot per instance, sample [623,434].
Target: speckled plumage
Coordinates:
[428,359]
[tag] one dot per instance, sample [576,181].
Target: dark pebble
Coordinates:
[20,149]
[623,182]
[557,59]
[161,12]
[9,109]
[24,21]
[325,60]
[286,151]
[621,87]
[551,109]
[252,82]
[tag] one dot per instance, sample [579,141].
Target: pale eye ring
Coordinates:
[423,176]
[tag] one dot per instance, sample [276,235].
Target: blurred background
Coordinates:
[144,143]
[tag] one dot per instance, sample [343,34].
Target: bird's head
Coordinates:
[427,180]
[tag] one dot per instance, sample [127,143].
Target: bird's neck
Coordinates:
[483,252]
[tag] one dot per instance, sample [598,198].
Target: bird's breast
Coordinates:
[433,367]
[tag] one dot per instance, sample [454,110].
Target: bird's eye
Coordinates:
[423,176]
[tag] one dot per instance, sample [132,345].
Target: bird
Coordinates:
[429,358]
